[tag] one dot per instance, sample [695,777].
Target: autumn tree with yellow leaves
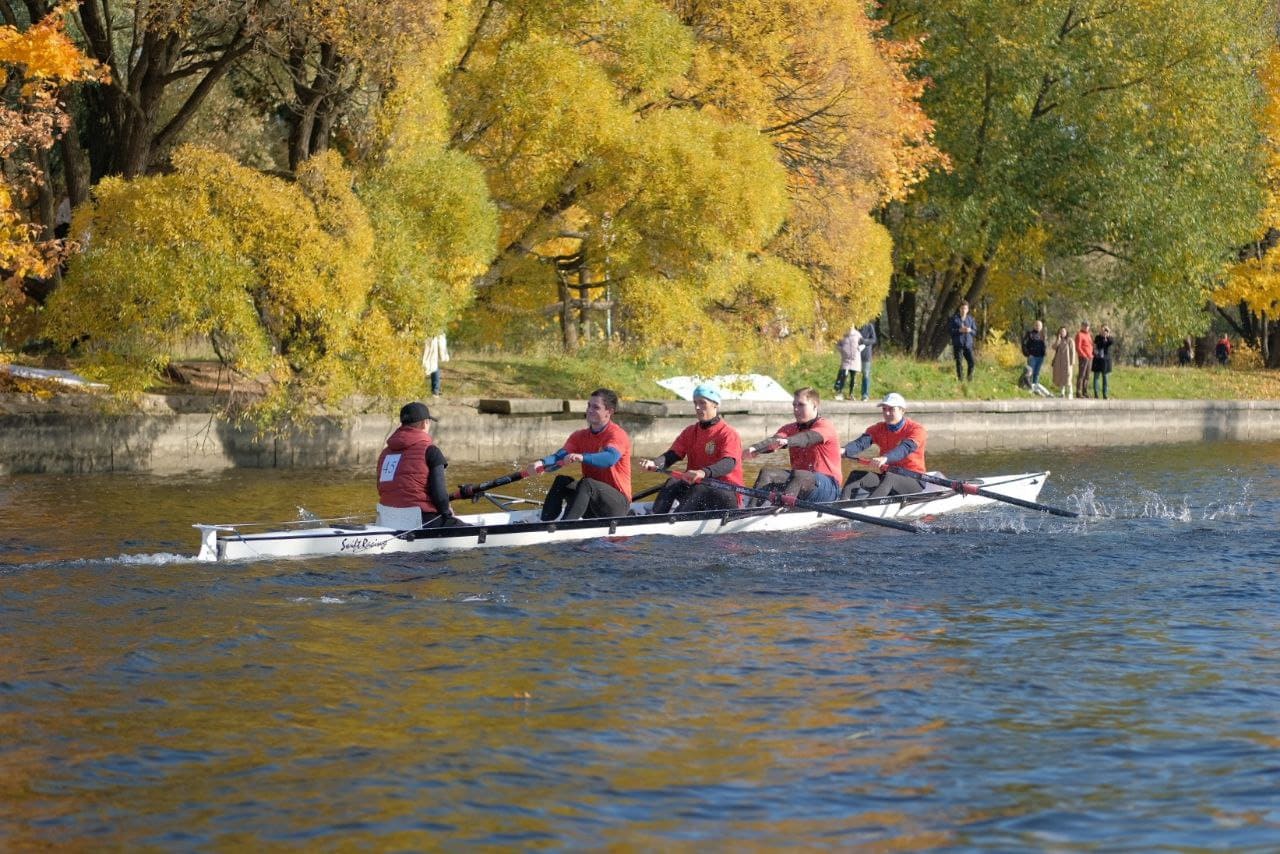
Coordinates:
[275,274]
[701,174]
[35,64]
[1249,296]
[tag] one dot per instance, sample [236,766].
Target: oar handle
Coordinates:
[475,490]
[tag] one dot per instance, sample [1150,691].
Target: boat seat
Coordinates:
[400,518]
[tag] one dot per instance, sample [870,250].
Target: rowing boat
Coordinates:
[511,528]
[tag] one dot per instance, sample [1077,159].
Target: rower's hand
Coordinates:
[573,458]
[695,476]
[879,463]
[468,490]
[649,465]
[535,468]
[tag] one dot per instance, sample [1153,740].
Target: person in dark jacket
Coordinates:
[963,330]
[1034,348]
[1102,344]
[411,470]
[869,340]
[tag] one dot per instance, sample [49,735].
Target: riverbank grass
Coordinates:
[512,375]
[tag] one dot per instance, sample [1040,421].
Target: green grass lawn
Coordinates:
[559,376]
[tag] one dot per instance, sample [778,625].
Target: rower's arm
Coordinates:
[901,452]
[721,467]
[857,446]
[668,459]
[603,459]
[436,489]
[555,459]
[805,439]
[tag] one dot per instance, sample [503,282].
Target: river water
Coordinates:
[1005,681]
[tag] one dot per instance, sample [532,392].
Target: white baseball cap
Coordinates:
[894,399]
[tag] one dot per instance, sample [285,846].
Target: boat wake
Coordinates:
[159,559]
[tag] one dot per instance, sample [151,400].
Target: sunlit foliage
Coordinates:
[1252,284]
[276,275]
[34,64]
[1120,137]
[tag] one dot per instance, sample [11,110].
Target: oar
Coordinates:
[474,490]
[653,490]
[974,489]
[774,497]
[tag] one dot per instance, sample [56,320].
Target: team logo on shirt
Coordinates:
[710,448]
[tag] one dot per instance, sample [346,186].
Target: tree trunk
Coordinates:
[124,114]
[568,324]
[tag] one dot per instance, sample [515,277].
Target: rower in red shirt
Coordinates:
[603,449]
[814,452]
[901,442]
[710,448]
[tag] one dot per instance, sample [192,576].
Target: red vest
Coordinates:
[402,470]
[585,442]
[886,440]
[823,457]
[701,447]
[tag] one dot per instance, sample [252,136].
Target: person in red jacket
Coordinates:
[411,469]
[603,449]
[1084,358]
[710,448]
[901,442]
[813,448]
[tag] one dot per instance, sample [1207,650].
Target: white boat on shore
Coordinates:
[507,528]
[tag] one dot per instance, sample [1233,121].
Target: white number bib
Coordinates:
[389,465]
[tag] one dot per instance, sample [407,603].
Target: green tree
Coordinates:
[1124,133]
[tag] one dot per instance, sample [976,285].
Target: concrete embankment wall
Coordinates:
[74,434]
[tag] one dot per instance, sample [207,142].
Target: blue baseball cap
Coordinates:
[707,392]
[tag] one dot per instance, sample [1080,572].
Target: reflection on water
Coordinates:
[1007,680]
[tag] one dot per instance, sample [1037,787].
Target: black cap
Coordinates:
[412,413]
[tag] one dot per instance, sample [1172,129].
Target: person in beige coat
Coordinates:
[433,355]
[1064,363]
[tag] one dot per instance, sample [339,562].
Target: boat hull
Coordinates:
[524,528]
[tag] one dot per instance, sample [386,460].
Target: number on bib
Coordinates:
[389,465]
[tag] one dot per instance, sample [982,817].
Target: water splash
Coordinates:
[1147,504]
[305,515]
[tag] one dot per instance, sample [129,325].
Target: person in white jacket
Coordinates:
[433,355]
[850,349]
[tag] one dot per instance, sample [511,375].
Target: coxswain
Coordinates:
[411,472]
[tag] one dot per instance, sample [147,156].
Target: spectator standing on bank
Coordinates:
[1064,363]
[963,330]
[1102,344]
[433,355]
[1222,350]
[1084,358]
[1185,352]
[1034,347]
[869,339]
[850,349]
